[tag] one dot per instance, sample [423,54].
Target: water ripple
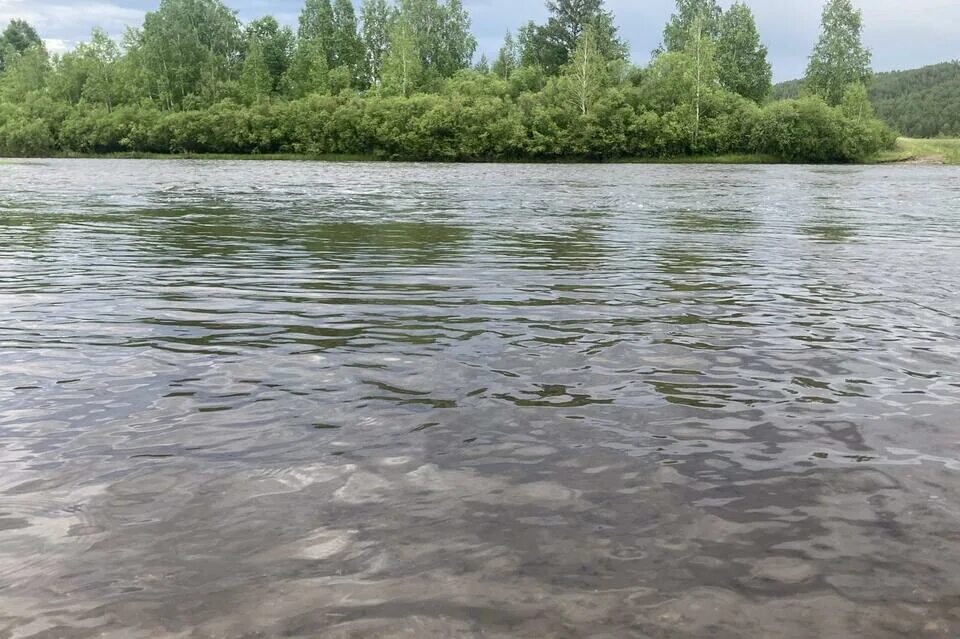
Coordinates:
[268,399]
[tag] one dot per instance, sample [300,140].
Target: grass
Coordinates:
[923,151]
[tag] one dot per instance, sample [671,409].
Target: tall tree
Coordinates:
[309,71]
[316,22]
[569,20]
[402,68]
[17,37]
[346,50]
[188,48]
[70,73]
[586,73]
[277,44]
[701,50]
[508,59]
[483,66]
[457,42]
[677,32]
[839,58]
[255,78]
[100,56]
[26,74]
[742,62]
[442,35]
[528,45]
[375,16]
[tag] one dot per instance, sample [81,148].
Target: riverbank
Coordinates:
[923,151]
[944,151]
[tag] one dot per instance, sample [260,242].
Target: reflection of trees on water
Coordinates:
[224,232]
[580,248]
[702,267]
[830,228]
[41,230]
[832,216]
[410,243]
[213,230]
[713,221]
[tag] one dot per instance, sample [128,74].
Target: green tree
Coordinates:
[508,58]
[277,44]
[346,49]
[101,56]
[375,16]
[457,44]
[27,73]
[569,20]
[309,72]
[189,48]
[483,65]
[402,69]
[702,53]
[741,58]
[69,76]
[527,45]
[17,37]
[856,103]
[677,32]
[442,35]
[316,22]
[586,74]
[256,80]
[839,58]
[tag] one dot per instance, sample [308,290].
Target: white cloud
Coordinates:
[67,23]
[56,45]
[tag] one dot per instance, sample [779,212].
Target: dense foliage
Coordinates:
[395,81]
[922,103]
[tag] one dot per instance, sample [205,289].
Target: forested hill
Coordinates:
[922,103]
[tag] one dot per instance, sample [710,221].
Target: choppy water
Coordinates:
[284,399]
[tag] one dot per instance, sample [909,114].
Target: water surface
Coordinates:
[352,400]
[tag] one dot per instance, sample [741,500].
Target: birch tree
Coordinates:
[402,68]
[839,58]
[700,49]
[587,71]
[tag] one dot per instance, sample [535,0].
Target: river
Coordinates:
[257,399]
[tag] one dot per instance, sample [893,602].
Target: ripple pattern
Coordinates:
[350,400]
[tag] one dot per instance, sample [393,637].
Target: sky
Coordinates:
[902,35]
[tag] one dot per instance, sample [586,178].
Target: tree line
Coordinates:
[398,80]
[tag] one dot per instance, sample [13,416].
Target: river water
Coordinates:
[362,400]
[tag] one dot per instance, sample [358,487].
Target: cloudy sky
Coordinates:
[901,34]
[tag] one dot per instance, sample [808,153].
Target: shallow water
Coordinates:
[357,400]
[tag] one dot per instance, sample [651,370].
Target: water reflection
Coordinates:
[414,242]
[578,248]
[712,221]
[292,399]
[831,230]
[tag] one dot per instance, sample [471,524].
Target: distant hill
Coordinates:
[923,103]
